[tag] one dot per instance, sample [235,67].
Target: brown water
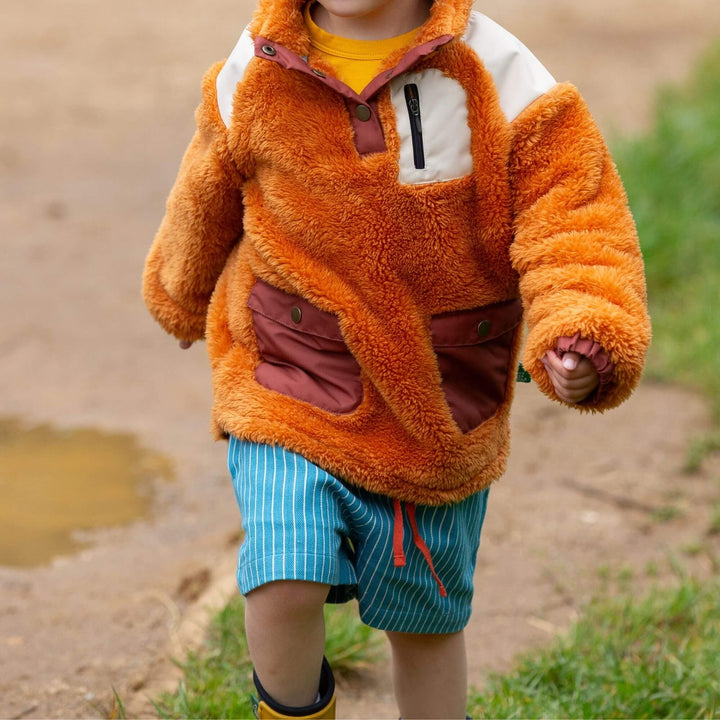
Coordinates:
[54,483]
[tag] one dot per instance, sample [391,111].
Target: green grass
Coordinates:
[714,527]
[672,175]
[699,449]
[657,658]
[118,707]
[217,680]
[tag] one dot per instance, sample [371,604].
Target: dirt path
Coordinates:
[97,108]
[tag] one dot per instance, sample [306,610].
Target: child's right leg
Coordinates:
[285,629]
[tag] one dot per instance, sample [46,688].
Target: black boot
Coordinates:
[265,708]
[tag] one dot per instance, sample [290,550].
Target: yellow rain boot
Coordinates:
[265,708]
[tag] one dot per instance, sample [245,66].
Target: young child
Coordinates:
[378,192]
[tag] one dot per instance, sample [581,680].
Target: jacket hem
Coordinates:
[379,478]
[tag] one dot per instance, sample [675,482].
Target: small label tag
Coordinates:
[523,375]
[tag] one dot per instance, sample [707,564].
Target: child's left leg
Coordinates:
[429,675]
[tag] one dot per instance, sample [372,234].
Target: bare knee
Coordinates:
[401,640]
[288,597]
[418,648]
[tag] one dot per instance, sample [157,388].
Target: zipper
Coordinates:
[412,99]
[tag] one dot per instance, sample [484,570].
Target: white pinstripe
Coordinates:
[304,495]
[312,505]
[273,494]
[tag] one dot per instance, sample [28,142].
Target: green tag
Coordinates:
[523,375]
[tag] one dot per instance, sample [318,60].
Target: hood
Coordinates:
[282,22]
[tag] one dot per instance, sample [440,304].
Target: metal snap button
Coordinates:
[269,50]
[363,113]
[319,73]
[296,314]
[483,328]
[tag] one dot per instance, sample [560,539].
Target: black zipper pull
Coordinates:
[412,99]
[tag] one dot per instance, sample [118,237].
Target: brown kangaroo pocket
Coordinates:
[303,351]
[474,349]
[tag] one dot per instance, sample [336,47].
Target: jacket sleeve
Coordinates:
[202,223]
[575,247]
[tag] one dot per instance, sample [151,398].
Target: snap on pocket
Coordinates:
[474,349]
[303,352]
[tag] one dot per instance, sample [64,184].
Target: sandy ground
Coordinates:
[96,111]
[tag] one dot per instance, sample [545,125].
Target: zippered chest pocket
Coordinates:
[412,100]
[432,124]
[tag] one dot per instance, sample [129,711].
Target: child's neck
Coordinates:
[388,20]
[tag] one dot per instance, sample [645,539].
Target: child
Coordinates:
[377,193]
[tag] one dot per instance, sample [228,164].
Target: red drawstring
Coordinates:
[399,554]
[420,544]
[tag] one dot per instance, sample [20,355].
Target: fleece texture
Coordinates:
[282,196]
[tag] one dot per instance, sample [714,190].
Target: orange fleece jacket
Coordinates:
[359,265]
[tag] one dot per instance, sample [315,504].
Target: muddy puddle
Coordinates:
[54,484]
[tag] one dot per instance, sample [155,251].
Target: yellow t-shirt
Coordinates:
[355,62]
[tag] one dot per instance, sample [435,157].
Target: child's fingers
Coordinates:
[585,384]
[554,364]
[551,360]
[586,381]
[576,392]
[581,366]
[571,385]
[570,360]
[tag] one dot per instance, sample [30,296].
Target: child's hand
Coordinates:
[573,376]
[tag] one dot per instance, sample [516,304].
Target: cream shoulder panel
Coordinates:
[519,76]
[445,131]
[232,73]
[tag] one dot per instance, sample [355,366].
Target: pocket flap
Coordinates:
[293,312]
[474,326]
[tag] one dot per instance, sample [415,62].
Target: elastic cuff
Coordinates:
[597,355]
[326,691]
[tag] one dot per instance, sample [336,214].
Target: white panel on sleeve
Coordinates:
[445,128]
[232,73]
[519,76]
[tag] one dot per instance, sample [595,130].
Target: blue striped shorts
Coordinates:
[410,568]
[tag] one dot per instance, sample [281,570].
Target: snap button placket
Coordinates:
[363,113]
[296,314]
[483,328]
[269,50]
